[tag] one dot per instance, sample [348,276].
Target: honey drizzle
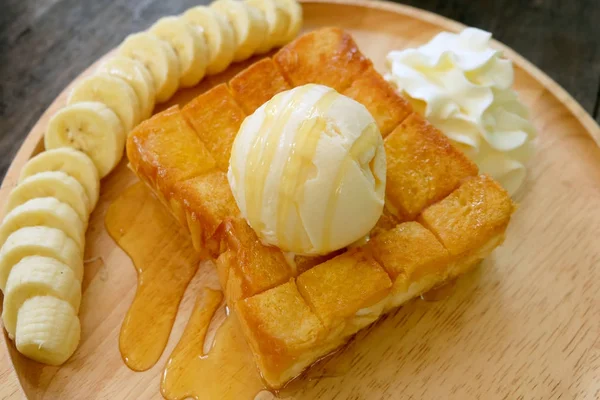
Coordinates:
[263,151]
[366,140]
[228,370]
[165,262]
[296,169]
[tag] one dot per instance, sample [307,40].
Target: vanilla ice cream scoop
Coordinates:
[307,170]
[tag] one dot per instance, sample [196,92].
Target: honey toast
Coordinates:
[440,217]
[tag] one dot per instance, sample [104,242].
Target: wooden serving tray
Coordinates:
[524,325]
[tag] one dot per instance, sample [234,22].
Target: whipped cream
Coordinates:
[308,170]
[463,87]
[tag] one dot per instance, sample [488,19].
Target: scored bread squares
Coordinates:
[422,167]
[216,118]
[471,218]
[205,201]
[163,151]
[285,304]
[257,84]
[379,97]
[327,56]
[246,266]
[352,290]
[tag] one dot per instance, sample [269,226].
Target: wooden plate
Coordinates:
[525,325]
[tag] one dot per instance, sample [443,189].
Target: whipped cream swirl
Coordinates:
[463,87]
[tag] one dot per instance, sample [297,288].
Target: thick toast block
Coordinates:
[422,167]
[336,289]
[440,218]
[282,330]
[409,252]
[205,201]
[327,56]
[257,84]
[216,118]
[165,150]
[471,216]
[304,263]
[379,97]
[386,222]
[246,266]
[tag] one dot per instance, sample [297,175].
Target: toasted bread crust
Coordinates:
[165,150]
[257,84]
[339,287]
[469,217]
[216,117]
[252,267]
[440,218]
[204,201]
[422,167]
[380,98]
[327,56]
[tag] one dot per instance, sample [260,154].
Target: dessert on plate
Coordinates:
[309,246]
[324,194]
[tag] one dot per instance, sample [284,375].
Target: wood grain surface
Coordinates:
[525,326]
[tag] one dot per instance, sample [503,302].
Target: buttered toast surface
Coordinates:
[440,218]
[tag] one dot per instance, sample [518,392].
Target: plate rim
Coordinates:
[34,139]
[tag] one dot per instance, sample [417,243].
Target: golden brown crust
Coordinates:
[216,118]
[205,201]
[387,107]
[409,251]
[257,84]
[469,217]
[327,56]
[386,222]
[422,166]
[165,150]
[304,263]
[253,267]
[279,327]
[340,287]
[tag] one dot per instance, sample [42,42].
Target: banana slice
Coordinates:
[40,241]
[219,36]
[260,21]
[294,11]
[52,184]
[248,24]
[160,59]
[91,127]
[44,211]
[189,45]
[48,330]
[137,76]
[278,21]
[115,92]
[37,276]
[73,163]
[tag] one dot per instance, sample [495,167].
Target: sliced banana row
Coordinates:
[150,66]
[42,236]
[91,127]
[42,239]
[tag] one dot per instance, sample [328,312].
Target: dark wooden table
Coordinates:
[44,44]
